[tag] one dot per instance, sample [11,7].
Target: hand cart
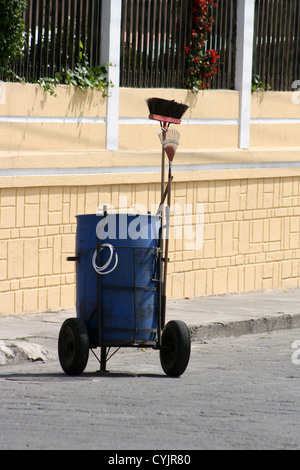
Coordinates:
[121,268]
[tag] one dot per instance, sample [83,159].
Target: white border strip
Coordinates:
[211,122]
[100,120]
[141,121]
[53,119]
[275,121]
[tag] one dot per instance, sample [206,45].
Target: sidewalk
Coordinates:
[34,336]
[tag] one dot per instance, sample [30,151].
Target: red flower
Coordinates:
[201,63]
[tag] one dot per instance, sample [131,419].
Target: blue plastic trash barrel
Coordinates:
[119,308]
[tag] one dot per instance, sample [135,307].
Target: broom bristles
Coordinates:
[171,136]
[169,108]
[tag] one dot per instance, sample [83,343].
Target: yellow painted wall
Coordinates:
[251,215]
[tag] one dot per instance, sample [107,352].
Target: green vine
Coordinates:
[258,85]
[82,76]
[12,38]
[12,31]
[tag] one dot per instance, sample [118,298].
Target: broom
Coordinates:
[170,141]
[166,112]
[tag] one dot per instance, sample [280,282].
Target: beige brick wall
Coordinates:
[251,238]
[35,238]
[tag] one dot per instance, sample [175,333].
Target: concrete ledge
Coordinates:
[246,327]
[142,175]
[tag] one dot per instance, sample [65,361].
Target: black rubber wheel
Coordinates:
[176,348]
[73,346]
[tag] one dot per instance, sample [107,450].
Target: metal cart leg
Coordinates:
[103,359]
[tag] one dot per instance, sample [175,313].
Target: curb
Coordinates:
[244,327]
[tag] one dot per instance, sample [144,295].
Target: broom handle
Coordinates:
[163,126]
[164,296]
[162,188]
[164,197]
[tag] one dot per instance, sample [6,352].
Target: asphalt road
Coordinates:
[237,393]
